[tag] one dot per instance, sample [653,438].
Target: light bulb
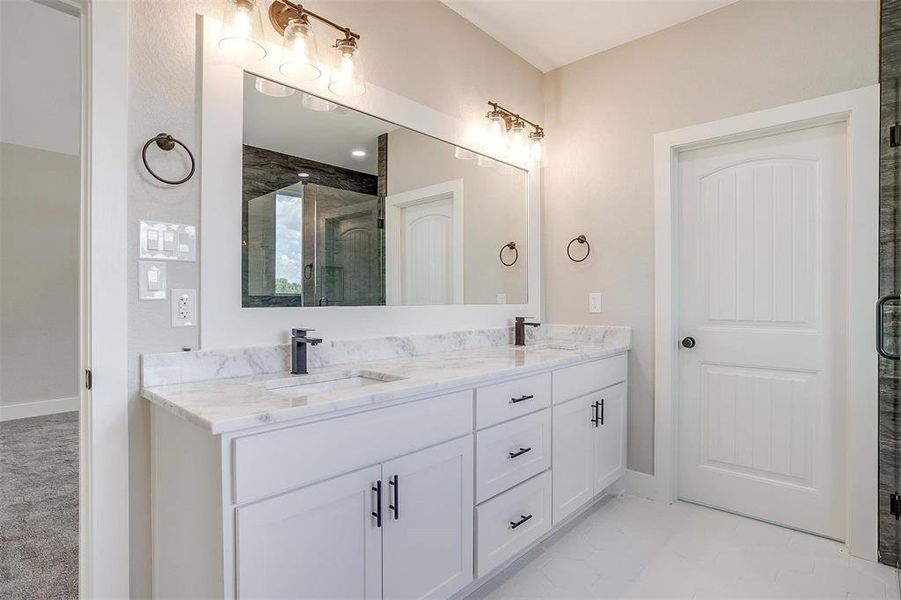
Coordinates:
[346,79]
[242,31]
[300,52]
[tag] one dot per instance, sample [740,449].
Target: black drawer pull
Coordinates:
[594,413]
[602,412]
[515,524]
[396,506]
[521,398]
[377,513]
[520,453]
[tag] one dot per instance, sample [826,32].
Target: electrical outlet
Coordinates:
[184,308]
[594,302]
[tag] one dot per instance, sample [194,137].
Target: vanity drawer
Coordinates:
[512,452]
[579,380]
[268,463]
[497,540]
[510,399]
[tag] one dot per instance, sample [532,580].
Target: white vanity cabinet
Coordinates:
[411,499]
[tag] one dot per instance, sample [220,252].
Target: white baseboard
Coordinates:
[10,412]
[640,484]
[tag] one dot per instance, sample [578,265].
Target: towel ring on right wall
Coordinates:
[511,246]
[582,240]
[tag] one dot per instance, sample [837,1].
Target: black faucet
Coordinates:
[299,341]
[519,330]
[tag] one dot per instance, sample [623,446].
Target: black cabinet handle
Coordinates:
[520,453]
[521,398]
[515,524]
[602,411]
[377,513]
[594,413]
[394,507]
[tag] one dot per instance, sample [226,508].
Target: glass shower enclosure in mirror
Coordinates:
[341,208]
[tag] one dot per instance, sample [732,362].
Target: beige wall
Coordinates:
[495,211]
[602,113]
[40,195]
[419,49]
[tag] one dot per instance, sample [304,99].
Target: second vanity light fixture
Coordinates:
[507,136]
[242,36]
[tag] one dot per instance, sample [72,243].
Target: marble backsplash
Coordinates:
[200,365]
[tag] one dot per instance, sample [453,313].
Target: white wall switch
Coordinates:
[184,308]
[502,298]
[167,241]
[151,280]
[594,302]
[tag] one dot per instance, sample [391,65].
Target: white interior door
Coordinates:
[763,290]
[424,245]
[317,542]
[428,532]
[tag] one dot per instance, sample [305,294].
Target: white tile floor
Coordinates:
[629,547]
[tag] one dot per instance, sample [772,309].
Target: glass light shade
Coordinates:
[535,148]
[519,142]
[496,136]
[316,103]
[346,77]
[270,88]
[242,31]
[300,53]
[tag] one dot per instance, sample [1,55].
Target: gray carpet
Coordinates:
[39,507]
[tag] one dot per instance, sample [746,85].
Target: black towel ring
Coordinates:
[166,142]
[582,240]
[511,246]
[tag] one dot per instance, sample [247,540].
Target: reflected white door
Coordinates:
[763,287]
[424,245]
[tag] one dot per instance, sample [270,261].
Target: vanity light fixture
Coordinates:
[300,55]
[270,88]
[242,30]
[316,103]
[507,136]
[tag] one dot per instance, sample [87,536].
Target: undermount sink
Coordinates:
[305,385]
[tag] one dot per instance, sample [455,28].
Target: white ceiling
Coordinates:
[552,33]
[285,125]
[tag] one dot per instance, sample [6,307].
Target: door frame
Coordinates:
[859,109]
[103,433]
[393,254]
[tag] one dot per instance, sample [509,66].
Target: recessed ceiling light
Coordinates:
[303,175]
[359,153]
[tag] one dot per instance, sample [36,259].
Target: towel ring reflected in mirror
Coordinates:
[582,240]
[167,143]
[511,246]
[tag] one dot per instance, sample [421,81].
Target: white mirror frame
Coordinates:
[224,323]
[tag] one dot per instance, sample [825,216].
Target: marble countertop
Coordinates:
[234,404]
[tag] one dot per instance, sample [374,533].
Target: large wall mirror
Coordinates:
[340,208]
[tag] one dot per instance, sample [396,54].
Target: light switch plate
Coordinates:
[594,302]
[167,241]
[184,308]
[151,280]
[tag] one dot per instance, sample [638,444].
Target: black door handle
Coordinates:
[520,453]
[601,417]
[594,413]
[688,342]
[521,398]
[515,524]
[880,327]
[394,507]
[377,513]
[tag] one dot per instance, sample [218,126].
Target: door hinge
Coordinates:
[894,136]
[895,505]
[88,379]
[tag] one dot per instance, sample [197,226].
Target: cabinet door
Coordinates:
[428,522]
[610,437]
[572,463]
[317,542]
